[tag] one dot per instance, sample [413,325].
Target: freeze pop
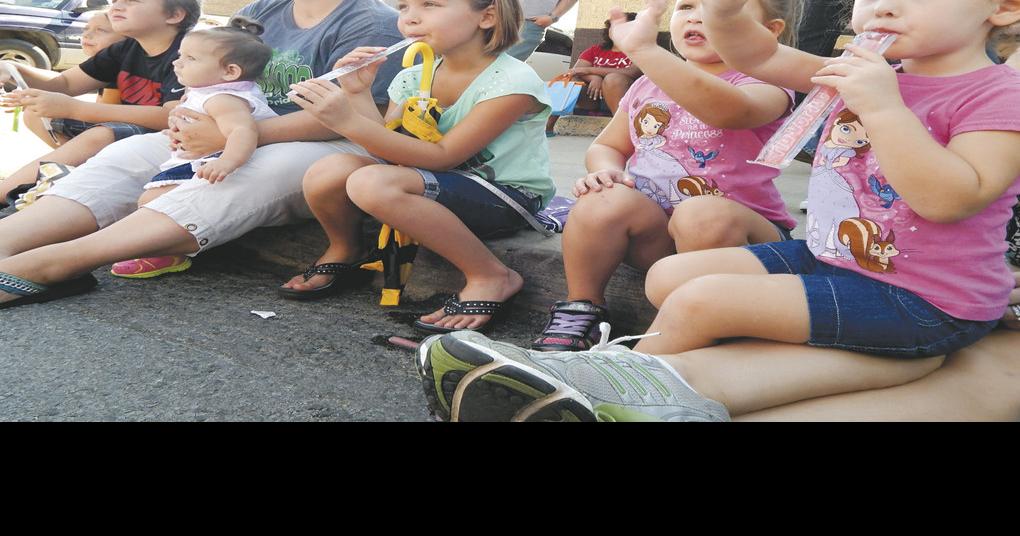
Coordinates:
[802,124]
[13,71]
[340,71]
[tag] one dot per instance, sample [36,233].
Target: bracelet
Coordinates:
[553,17]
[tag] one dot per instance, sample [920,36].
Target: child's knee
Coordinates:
[704,223]
[610,207]
[616,82]
[372,186]
[694,300]
[324,179]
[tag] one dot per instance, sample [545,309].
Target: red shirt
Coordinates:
[605,58]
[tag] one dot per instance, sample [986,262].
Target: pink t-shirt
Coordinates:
[610,59]
[857,221]
[676,156]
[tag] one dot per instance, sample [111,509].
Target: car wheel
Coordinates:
[23,52]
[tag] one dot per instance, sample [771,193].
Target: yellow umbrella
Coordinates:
[397,250]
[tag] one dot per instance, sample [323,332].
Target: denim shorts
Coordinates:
[854,312]
[73,127]
[486,215]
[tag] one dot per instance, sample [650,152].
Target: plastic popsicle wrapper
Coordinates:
[802,124]
[23,86]
[340,71]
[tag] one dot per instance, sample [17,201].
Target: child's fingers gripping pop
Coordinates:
[361,79]
[865,81]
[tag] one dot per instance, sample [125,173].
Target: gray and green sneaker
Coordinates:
[469,377]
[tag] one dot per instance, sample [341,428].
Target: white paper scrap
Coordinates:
[264,314]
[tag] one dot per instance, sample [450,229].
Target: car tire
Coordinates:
[24,52]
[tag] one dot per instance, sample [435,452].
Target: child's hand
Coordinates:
[640,33]
[1011,319]
[216,170]
[866,83]
[324,100]
[595,88]
[43,103]
[360,80]
[594,182]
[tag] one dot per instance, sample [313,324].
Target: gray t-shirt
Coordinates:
[303,53]
[536,8]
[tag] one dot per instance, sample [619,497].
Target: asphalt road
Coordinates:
[186,347]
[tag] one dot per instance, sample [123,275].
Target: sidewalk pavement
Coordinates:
[290,249]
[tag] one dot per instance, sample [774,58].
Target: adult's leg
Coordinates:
[614,86]
[707,222]
[531,36]
[606,228]
[393,195]
[977,383]
[74,152]
[153,193]
[95,194]
[325,187]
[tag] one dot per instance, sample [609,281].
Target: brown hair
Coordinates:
[659,114]
[845,117]
[240,45]
[506,32]
[789,11]
[192,10]
[607,42]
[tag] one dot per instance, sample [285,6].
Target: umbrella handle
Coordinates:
[428,58]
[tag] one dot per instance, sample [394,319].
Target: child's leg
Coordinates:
[977,383]
[707,222]
[325,189]
[393,195]
[749,376]
[35,124]
[614,86]
[606,228]
[73,153]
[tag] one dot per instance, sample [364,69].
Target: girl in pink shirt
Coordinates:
[909,198]
[670,173]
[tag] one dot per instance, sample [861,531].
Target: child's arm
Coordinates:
[747,46]
[606,158]
[941,184]
[711,99]
[233,117]
[73,81]
[484,123]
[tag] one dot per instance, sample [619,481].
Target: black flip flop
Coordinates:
[345,276]
[453,306]
[35,293]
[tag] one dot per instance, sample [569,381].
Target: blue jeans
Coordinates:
[486,215]
[854,312]
[73,127]
[531,36]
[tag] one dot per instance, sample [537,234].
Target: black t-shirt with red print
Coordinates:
[142,79]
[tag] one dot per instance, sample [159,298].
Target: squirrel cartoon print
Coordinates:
[830,198]
[872,252]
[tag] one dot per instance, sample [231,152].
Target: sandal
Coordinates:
[573,327]
[453,306]
[36,293]
[353,275]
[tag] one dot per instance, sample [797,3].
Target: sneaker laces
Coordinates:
[604,342]
[574,324]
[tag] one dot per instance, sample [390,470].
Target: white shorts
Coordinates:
[264,192]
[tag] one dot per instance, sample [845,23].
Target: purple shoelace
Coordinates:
[570,324]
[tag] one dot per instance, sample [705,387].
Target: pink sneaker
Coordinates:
[150,267]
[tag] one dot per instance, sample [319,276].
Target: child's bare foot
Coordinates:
[493,289]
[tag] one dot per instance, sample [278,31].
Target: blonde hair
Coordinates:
[790,11]
[506,31]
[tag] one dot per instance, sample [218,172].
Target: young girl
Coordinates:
[494,108]
[219,67]
[944,130]
[683,133]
